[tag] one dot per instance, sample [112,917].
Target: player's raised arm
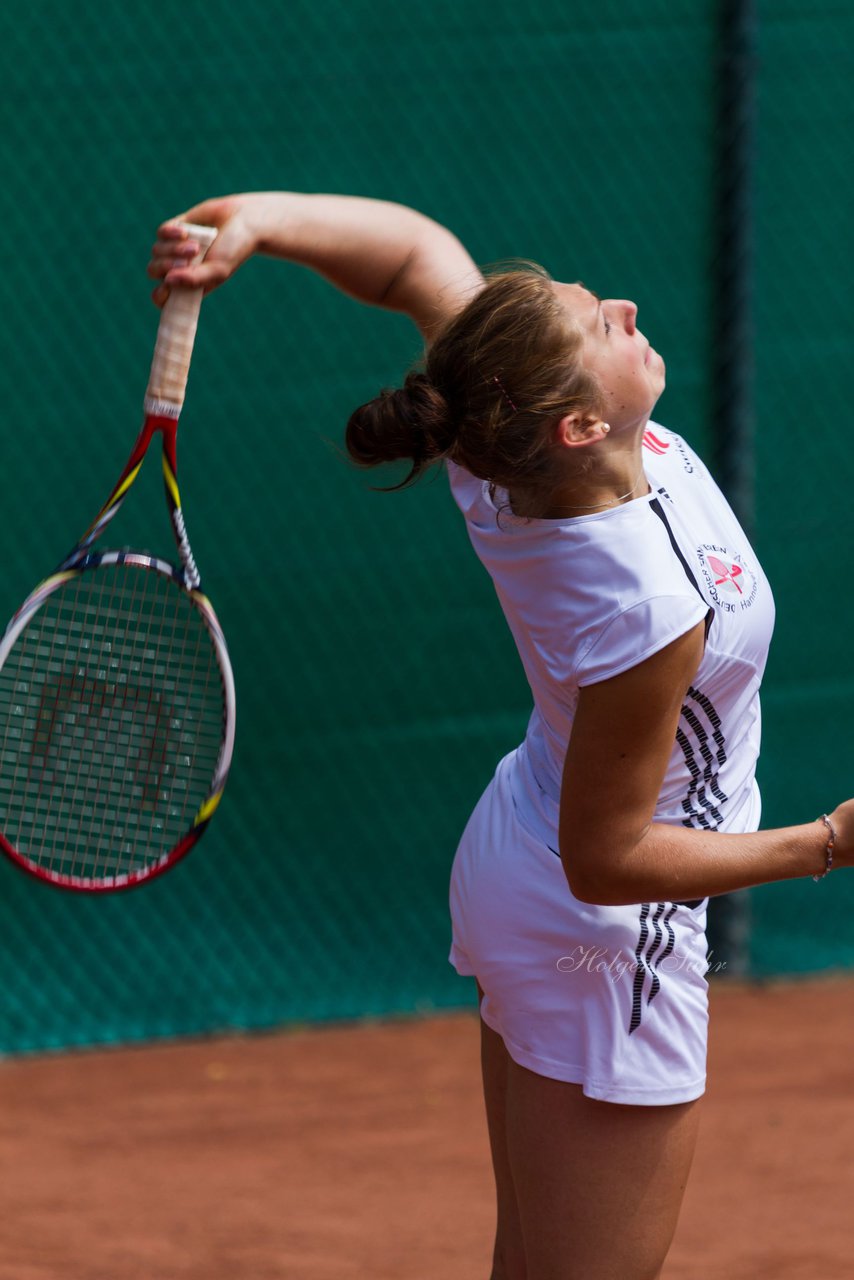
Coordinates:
[381,253]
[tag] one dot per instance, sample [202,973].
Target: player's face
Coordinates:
[630,371]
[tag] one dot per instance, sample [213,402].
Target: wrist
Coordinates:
[265,216]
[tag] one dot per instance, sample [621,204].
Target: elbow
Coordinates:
[598,886]
[595,893]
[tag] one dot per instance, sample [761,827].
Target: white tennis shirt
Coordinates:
[590,597]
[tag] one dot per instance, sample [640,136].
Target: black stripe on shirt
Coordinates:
[697,804]
[656,506]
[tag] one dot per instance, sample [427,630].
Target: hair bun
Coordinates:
[412,422]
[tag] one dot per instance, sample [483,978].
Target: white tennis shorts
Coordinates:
[611,998]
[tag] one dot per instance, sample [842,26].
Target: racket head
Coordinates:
[117,717]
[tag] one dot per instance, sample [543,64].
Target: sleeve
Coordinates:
[466,489]
[636,633]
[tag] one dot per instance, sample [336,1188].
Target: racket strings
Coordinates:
[125,621]
[115,696]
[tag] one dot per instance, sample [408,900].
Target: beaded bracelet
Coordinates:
[831,845]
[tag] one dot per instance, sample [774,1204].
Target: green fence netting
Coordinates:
[376,684]
[805,462]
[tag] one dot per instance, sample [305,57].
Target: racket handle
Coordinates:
[176,335]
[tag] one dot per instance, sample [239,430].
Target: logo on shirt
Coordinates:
[652,442]
[660,447]
[729,580]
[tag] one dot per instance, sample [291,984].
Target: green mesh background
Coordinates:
[376,684]
[805,517]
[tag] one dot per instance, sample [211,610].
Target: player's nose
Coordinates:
[628,311]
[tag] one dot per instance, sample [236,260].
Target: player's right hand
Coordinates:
[237,240]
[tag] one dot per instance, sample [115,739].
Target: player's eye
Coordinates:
[606,324]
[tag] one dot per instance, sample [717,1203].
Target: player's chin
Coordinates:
[654,399]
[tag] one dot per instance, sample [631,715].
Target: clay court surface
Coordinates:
[360,1152]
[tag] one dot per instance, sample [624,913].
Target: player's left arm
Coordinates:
[381,253]
[612,850]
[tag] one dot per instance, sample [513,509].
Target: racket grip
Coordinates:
[176,335]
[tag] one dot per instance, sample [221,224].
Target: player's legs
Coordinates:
[598,1185]
[586,1190]
[594,1188]
[508,1261]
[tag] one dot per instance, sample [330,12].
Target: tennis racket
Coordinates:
[116,693]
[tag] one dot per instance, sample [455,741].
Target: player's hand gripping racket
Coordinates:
[116,692]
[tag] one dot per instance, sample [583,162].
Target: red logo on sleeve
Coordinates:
[652,442]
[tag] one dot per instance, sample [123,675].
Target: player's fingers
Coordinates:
[173,248]
[169,254]
[172,230]
[207,275]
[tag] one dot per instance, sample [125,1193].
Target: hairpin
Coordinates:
[500,384]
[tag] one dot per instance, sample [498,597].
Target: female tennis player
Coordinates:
[642,618]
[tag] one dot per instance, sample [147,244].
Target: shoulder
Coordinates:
[624,555]
[604,561]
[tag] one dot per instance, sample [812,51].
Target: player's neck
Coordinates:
[614,480]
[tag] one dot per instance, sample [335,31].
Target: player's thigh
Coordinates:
[509,1256]
[599,1185]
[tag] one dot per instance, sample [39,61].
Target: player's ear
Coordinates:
[580,429]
